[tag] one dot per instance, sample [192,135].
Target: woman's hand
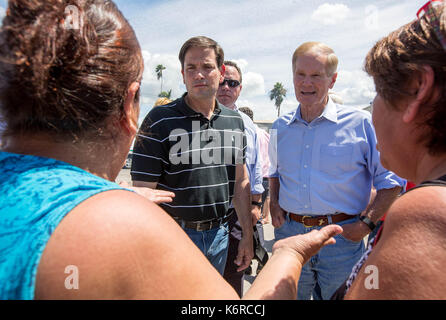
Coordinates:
[304,246]
[154,195]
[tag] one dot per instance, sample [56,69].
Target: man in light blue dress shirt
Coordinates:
[227,94]
[324,163]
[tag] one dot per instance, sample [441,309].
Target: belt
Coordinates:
[318,221]
[203,225]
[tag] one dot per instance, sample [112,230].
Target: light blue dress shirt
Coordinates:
[253,157]
[328,165]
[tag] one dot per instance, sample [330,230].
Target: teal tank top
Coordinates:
[35,195]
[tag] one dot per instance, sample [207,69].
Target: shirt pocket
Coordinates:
[335,159]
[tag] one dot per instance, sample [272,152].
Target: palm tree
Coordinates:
[165,94]
[277,94]
[159,74]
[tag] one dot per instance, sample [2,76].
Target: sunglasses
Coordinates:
[231,83]
[431,17]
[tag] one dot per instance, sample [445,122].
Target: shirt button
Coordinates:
[307,146]
[305,185]
[305,166]
[306,207]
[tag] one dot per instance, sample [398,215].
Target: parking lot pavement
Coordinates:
[268,230]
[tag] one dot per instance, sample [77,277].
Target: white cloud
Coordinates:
[330,14]
[371,20]
[151,86]
[355,87]
[253,85]
[261,110]
[241,63]
[172,78]
[263,38]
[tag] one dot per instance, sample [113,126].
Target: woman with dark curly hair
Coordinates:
[69,93]
[409,114]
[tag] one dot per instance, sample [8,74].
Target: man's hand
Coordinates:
[277,214]
[154,195]
[245,252]
[380,202]
[355,231]
[242,205]
[256,214]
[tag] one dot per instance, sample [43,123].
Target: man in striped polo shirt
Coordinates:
[195,147]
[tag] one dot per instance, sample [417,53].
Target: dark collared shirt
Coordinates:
[192,156]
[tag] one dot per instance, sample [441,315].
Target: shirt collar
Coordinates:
[188,111]
[330,113]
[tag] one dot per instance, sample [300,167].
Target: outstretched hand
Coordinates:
[304,246]
[154,195]
[279,277]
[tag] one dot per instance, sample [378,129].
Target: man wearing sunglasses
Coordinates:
[227,94]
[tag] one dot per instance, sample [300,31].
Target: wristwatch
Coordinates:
[256,203]
[368,222]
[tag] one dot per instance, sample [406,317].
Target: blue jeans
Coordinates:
[213,243]
[326,271]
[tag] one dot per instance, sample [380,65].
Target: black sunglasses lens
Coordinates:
[231,83]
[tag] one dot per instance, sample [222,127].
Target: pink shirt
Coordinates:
[263,138]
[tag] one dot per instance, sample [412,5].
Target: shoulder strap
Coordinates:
[432,183]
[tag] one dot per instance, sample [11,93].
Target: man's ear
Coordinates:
[422,85]
[222,72]
[333,80]
[131,109]
[182,73]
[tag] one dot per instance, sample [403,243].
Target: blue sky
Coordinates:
[261,35]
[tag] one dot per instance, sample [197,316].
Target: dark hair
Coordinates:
[394,60]
[233,64]
[247,111]
[202,42]
[65,66]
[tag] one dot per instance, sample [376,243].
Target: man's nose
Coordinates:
[225,86]
[307,80]
[199,75]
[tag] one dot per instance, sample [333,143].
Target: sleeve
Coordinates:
[150,157]
[240,156]
[272,153]
[264,151]
[382,178]
[245,142]
[257,179]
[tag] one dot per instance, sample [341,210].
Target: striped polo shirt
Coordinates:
[192,156]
